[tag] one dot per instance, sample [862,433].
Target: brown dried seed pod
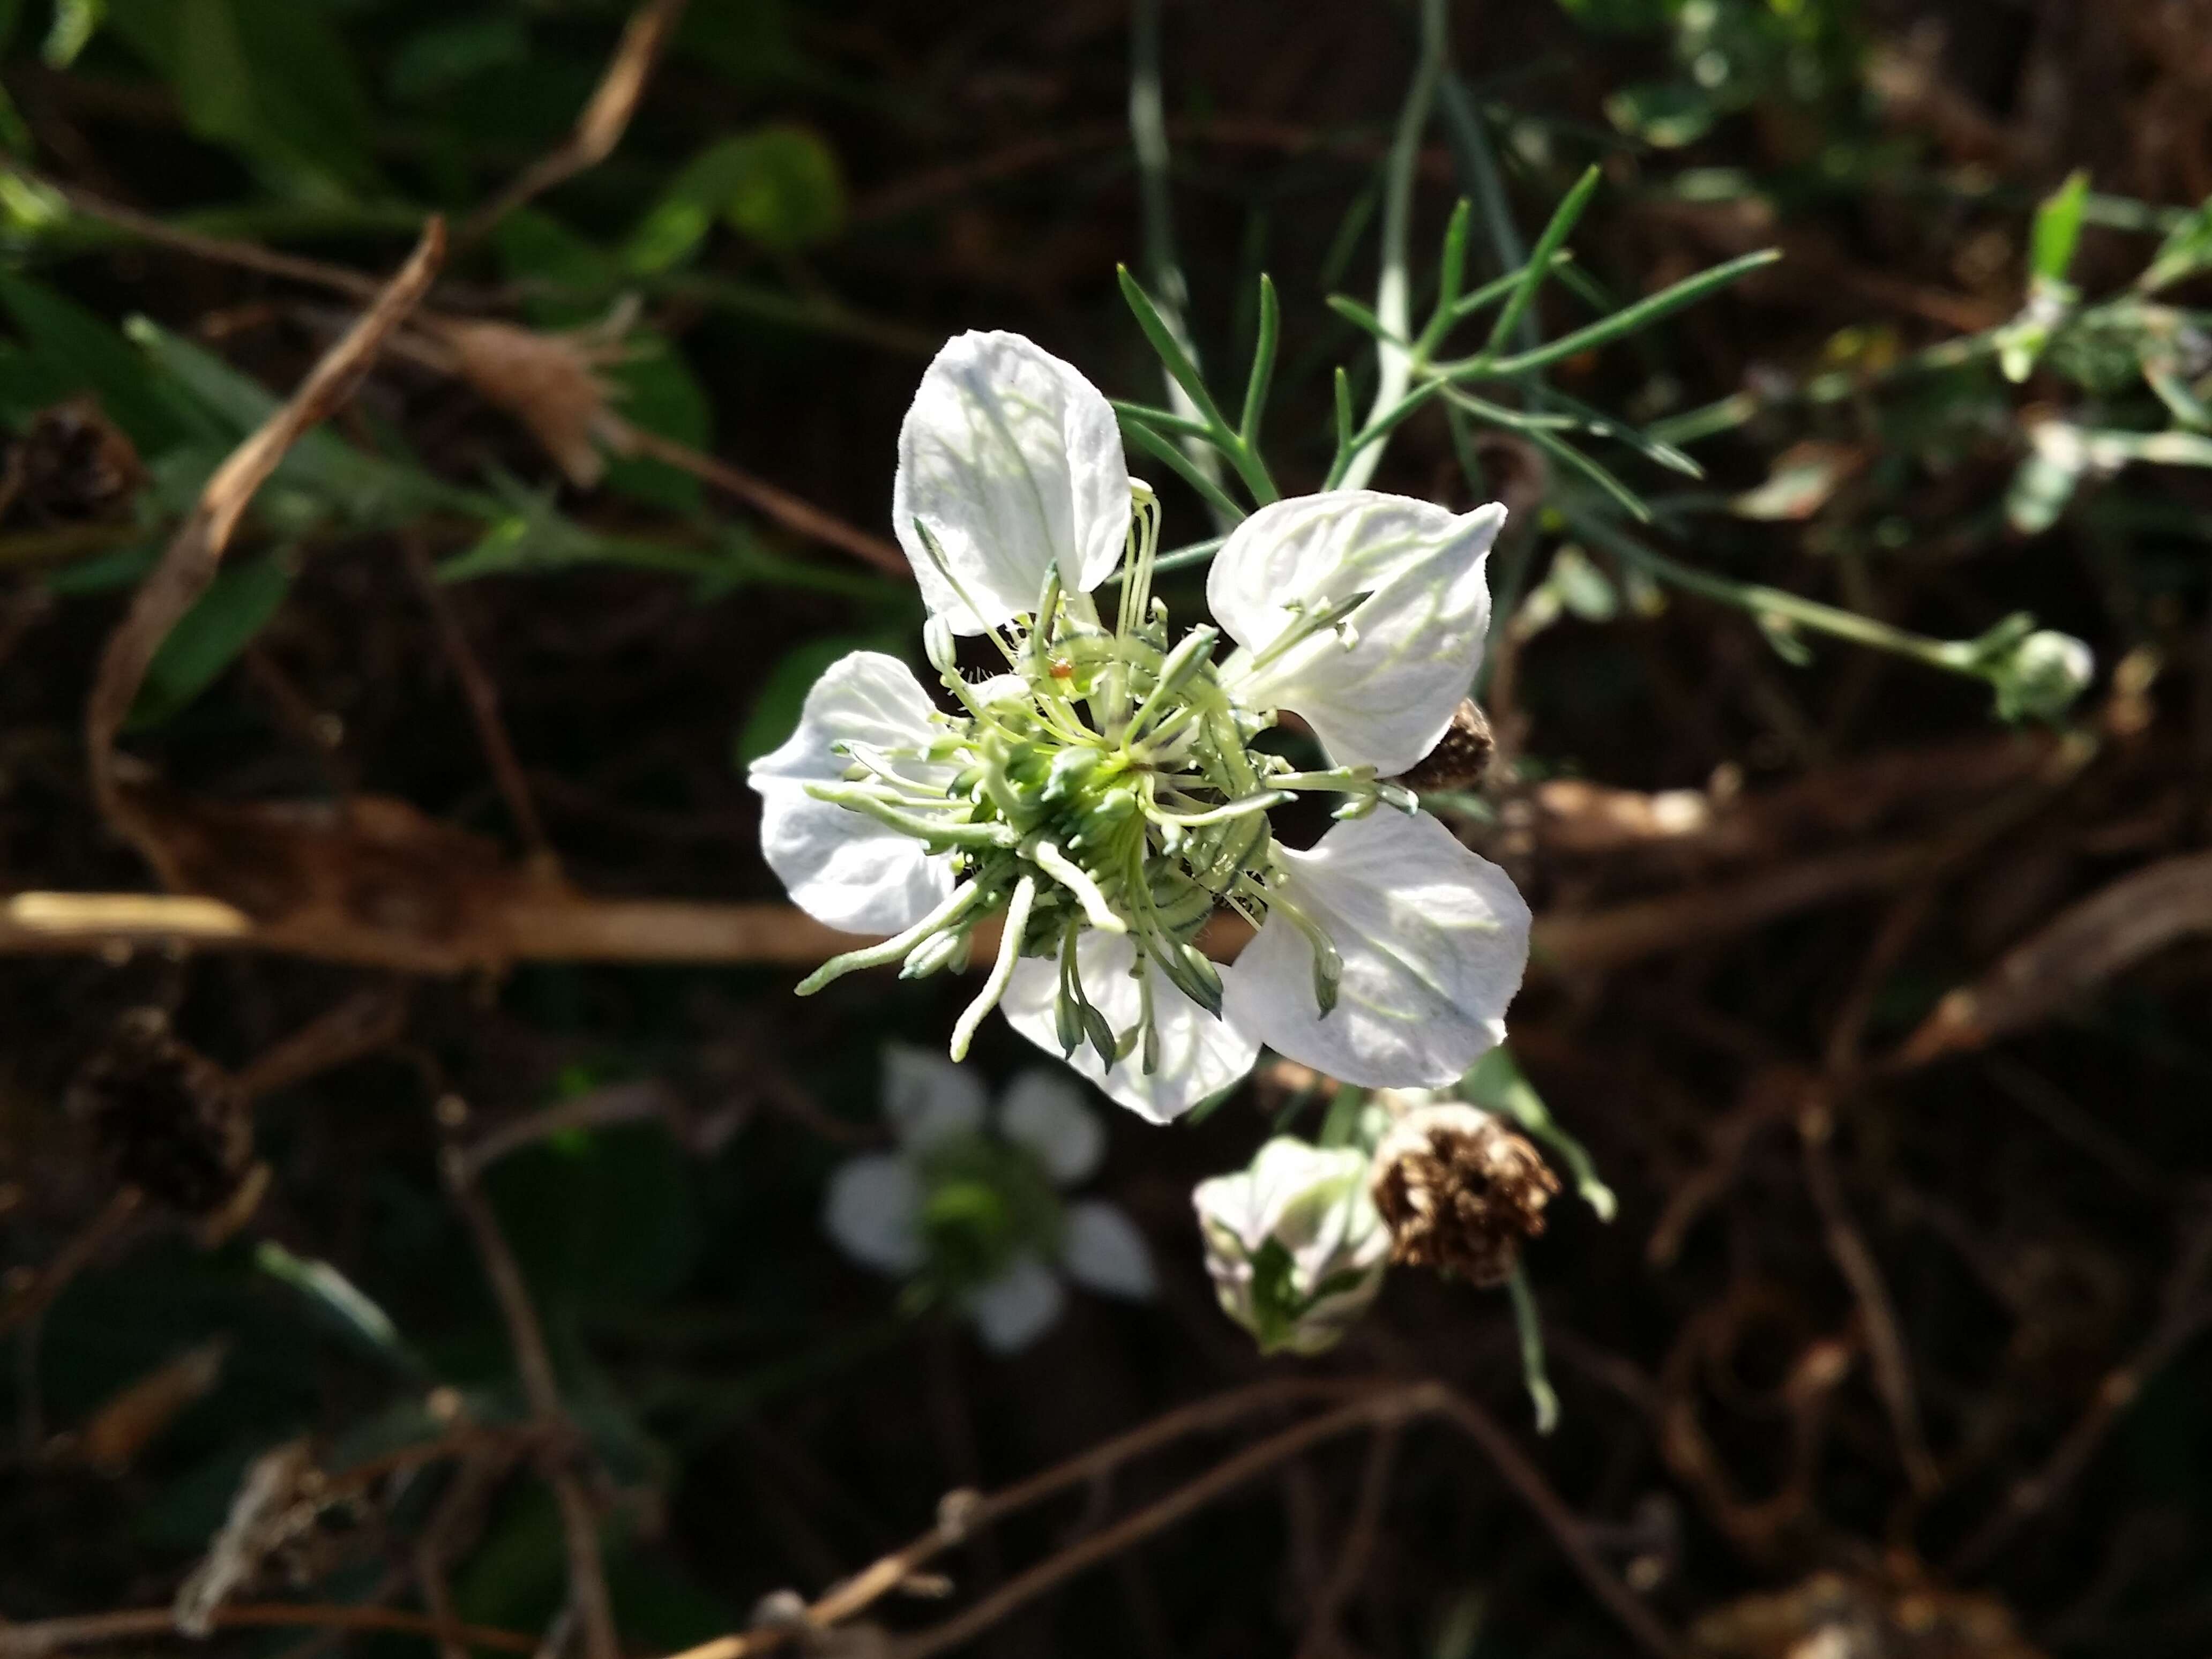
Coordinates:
[1461,756]
[72,465]
[1460,1191]
[172,1121]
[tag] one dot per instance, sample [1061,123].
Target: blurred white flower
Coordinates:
[1105,794]
[1294,1243]
[969,1205]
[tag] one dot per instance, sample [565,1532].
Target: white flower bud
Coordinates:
[2042,676]
[1295,1244]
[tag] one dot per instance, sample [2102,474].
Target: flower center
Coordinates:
[1106,780]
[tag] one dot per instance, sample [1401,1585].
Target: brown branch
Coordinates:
[1384,1406]
[785,508]
[190,563]
[2188,1314]
[550,926]
[587,1583]
[73,1258]
[45,1636]
[358,1026]
[482,698]
[1322,1637]
[1647,927]
[217,250]
[1855,1259]
[1566,1529]
[606,117]
[1381,1407]
[617,1103]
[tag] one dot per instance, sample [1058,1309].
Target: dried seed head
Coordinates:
[172,1121]
[1461,756]
[1460,1191]
[72,465]
[550,382]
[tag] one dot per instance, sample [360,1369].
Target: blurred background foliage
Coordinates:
[1889,1348]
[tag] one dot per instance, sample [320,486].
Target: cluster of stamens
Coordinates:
[1106,780]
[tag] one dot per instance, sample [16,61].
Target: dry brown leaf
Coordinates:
[2102,936]
[550,382]
[129,1422]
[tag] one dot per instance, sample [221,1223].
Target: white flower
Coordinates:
[1433,939]
[1104,794]
[1295,1244]
[1199,1055]
[1013,462]
[843,869]
[968,1202]
[1383,697]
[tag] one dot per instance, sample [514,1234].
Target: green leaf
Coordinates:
[2058,228]
[440,58]
[780,187]
[654,388]
[341,1300]
[790,192]
[566,280]
[1665,115]
[605,1215]
[76,22]
[271,79]
[2186,250]
[79,352]
[209,637]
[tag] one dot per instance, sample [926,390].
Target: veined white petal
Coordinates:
[1019,1306]
[927,1098]
[1102,1251]
[1313,1204]
[843,868]
[1012,460]
[873,1211]
[1199,1055]
[1045,1111]
[1434,941]
[1385,699]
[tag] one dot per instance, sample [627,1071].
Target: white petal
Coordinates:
[1046,1112]
[927,1098]
[1386,699]
[873,1211]
[845,869]
[1014,461]
[1104,1251]
[1434,941]
[1199,1055]
[1019,1306]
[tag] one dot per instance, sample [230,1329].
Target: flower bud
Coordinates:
[2042,677]
[1294,1244]
[1460,1191]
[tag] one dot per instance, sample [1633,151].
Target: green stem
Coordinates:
[1759,599]
[1393,289]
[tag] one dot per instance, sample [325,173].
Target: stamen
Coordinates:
[1073,876]
[1002,970]
[877,956]
[860,798]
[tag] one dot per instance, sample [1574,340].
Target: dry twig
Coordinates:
[34,1639]
[606,117]
[190,563]
[588,1582]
